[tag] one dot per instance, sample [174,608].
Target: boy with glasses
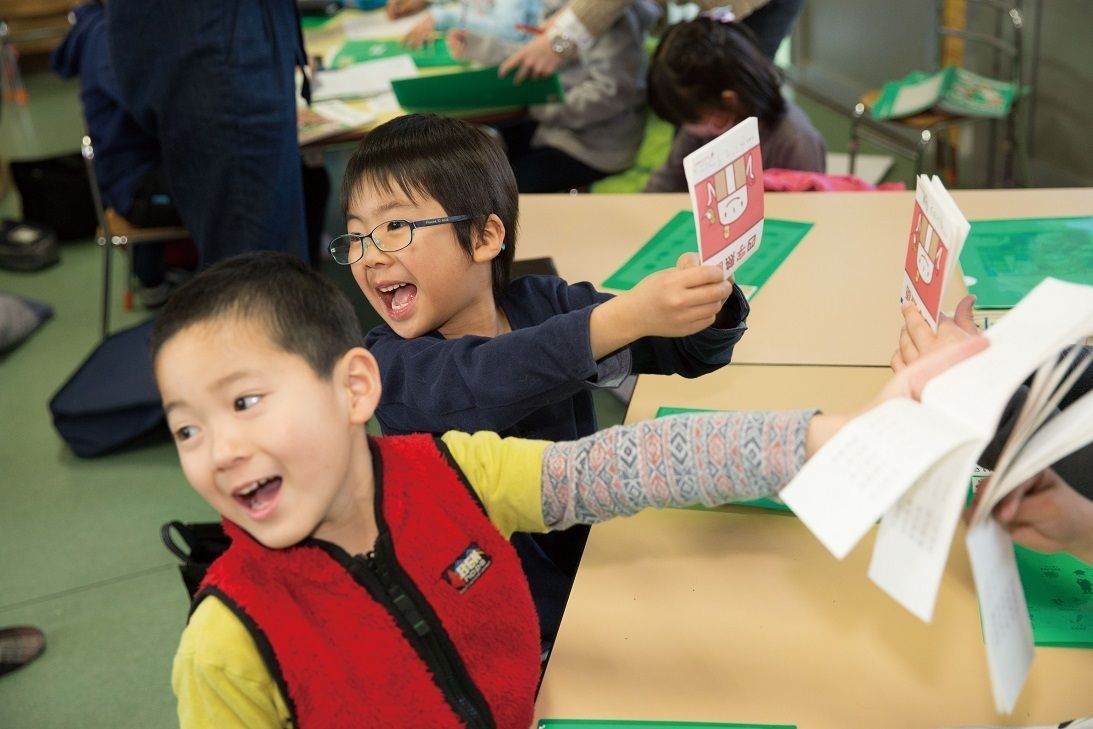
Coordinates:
[431,208]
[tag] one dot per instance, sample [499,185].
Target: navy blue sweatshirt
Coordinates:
[536,381]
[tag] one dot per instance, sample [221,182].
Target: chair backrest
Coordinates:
[1003,41]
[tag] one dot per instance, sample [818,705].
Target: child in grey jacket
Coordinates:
[597,129]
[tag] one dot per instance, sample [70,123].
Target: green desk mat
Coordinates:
[1059,593]
[677,236]
[311,22]
[468,90]
[764,503]
[1008,258]
[632,724]
[429,56]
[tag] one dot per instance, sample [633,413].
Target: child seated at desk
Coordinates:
[706,76]
[597,129]
[369,580]
[431,206]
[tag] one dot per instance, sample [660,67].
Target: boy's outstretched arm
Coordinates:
[705,458]
[431,384]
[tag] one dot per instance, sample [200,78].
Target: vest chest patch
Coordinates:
[467,568]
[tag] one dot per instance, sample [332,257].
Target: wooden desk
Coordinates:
[816,309]
[743,616]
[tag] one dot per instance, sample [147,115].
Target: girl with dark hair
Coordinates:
[706,76]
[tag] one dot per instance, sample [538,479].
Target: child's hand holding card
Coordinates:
[725,179]
[938,231]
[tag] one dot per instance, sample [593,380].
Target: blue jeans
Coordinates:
[212,80]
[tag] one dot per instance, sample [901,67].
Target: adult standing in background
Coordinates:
[214,82]
[575,27]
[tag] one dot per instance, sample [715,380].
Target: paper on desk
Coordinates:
[1003,611]
[915,535]
[845,487]
[1059,592]
[362,79]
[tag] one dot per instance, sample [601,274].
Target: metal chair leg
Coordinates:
[854,143]
[920,150]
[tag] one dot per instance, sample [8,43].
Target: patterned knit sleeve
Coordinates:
[684,460]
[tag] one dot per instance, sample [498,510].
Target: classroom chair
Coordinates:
[1005,49]
[116,231]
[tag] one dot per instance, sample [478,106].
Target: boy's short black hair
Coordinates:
[455,163]
[303,312]
[697,60]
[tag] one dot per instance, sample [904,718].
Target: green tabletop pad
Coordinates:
[1059,592]
[357,51]
[764,503]
[1008,258]
[780,237]
[469,90]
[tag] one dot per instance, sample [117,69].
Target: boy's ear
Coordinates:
[490,241]
[360,375]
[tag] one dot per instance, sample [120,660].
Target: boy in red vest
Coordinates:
[369,580]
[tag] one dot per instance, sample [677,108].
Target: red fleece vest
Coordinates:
[343,658]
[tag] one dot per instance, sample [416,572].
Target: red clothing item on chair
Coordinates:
[434,627]
[779,180]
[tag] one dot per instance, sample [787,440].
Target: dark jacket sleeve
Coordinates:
[698,354]
[432,384]
[1077,468]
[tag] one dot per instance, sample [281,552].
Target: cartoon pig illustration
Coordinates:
[729,189]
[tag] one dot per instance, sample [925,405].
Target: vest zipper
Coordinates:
[391,586]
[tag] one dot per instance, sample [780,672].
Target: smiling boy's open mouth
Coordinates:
[260,494]
[397,297]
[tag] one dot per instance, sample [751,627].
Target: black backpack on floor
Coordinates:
[111,399]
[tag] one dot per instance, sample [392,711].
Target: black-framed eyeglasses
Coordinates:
[389,236]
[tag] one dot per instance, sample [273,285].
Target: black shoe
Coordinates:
[19,646]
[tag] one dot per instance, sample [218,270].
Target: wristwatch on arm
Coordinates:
[568,34]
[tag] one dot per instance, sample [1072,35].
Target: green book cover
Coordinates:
[1059,593]
[952,89]
[678,236]
[358,51]
[635,724]
[764,503]
[1003,260]
[470,90]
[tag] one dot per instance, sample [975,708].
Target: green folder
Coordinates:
[471,90]
[358,51]
[1008,258]
[764,503]
[1059,593]
[678,236]
[632,724]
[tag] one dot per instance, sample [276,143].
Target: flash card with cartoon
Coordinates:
[938,231]
[725,179]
